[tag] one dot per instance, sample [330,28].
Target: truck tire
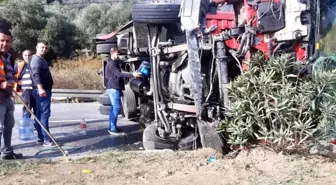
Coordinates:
[104,110]
[122,43]
[104,100]
[105,56]
[151,141]
[105,48]
[129,103]
[107,41]
[188,140]
[156,13]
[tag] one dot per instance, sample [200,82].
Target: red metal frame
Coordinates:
[226,21]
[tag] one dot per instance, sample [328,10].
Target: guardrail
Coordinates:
[76,93]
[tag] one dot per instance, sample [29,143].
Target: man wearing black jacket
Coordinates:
[115,85]
[42,85]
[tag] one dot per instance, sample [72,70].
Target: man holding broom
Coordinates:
[7,120]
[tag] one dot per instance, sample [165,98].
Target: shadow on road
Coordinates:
[96,139]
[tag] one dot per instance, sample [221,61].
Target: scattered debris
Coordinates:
[87,171]
[43,181]
[324,149]
[143,179]
[137,143]
[166,173]
[211,159]
[92,161]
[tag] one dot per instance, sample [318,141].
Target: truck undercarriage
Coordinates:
[192,49]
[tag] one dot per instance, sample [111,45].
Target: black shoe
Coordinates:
[39,142]
[12,156]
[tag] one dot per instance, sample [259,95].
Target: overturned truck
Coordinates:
[188,51]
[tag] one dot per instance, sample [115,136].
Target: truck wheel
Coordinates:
[105,48]
[129,103]
[156,13]
[144,122]
[188,140]
[107,41]
[105,56]
[104,110]
[151,141]
[104,100]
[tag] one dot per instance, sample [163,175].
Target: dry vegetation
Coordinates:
[257,166]
[77,74]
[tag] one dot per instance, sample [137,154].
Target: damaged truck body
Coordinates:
[189,50]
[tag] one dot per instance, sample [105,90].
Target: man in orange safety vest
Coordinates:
[19,69]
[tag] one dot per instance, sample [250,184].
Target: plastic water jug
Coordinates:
[145,69]
[26,129]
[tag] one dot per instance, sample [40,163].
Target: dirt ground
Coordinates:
[257,166]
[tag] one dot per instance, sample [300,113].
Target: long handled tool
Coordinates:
[64,152]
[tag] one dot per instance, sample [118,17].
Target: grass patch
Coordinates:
[108,157]
[10,167]
[77,74]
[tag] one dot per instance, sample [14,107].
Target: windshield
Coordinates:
[328,27]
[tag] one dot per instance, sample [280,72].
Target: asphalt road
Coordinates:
[64,126]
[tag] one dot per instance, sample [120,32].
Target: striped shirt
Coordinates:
[27,82]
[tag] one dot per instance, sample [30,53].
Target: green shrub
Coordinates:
[28,18]
[272,103]
[62,35]
[66,27]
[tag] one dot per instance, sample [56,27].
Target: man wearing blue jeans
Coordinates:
[115,85]
[42,85]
